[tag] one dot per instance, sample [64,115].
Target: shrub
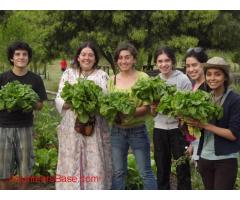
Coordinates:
[45,140]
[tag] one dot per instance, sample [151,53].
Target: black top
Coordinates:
[204,86]
[231,121]
[19,119]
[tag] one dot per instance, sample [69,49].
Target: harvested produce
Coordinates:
[17,96]
[152,89]
[116,102]
[83,97]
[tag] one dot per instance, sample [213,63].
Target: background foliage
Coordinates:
[55,34]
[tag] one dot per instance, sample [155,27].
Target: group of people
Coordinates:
[99,161]
[104,154]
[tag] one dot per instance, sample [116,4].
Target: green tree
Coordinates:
[224,33]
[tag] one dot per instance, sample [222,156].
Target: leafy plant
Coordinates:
[45,140]
[83,97]
[190,105]
[152,89]
[181,160]
[114,103]
[196,105]
[17,96]
[45,123]
[134,180]
[46,162]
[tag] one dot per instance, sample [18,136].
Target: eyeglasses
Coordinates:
[195,49]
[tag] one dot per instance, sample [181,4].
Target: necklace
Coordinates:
[85,75]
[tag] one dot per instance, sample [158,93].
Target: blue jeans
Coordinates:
[137,138]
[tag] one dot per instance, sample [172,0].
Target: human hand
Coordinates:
[194,123]
[153,108]
[67,106]
[189,150]
[181,122]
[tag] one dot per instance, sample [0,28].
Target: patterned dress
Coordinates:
[84,163]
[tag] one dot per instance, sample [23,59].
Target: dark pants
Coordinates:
[168,143]
[218,174]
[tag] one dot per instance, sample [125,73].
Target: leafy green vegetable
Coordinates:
[17,96]
[83,96]
[152,89]
[195,105]
[115,102]
[190,105]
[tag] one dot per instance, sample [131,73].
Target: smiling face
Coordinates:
[215,78]
[86,59]
[20,58]
[125,60]
[194,69]
[165,65]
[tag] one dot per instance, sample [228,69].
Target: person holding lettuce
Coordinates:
[168,139]
[130,130]
[195,59]
[16,126]
[87,159]
[219,143]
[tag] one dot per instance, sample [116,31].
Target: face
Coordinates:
[125,60]
[164,63]
[194,68]
[20,58]
[215,78]
[86,58]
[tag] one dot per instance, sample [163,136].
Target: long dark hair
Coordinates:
[90,45]
[169,52]
[198,53]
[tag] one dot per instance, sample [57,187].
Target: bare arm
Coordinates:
[38,105]
[141,111]
[222,132]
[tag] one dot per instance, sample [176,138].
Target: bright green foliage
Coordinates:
[45,141]
[152,89]
[190,105]
[197,19]
[134,180]
[56,33]
[17,96]
[83,97]
[195,105]
[115,102]
[46,161]
[182,42]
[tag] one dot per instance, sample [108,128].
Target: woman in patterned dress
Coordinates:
[84,162]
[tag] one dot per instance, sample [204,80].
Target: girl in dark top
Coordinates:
[194,61]
[220,142]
